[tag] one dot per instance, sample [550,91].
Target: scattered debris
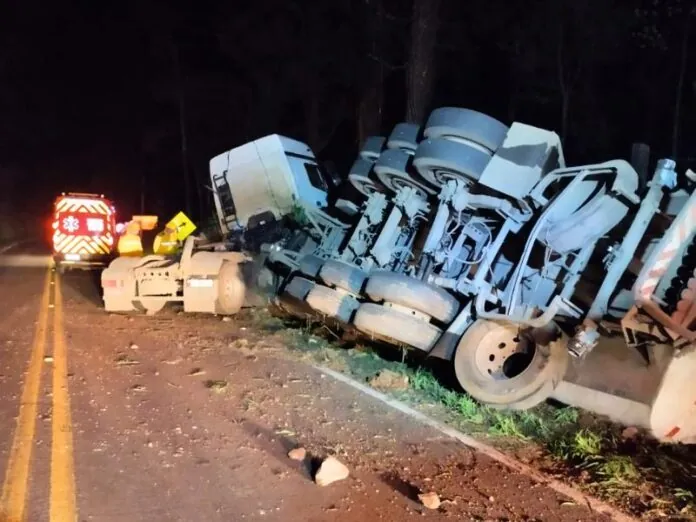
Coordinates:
[216,385]
[226,319]
[196,371]
[124,360]
[389,380]
[133,346]
[431,500]
[138,388]
[330,471]
[48,359]
[297,454]
[173,362]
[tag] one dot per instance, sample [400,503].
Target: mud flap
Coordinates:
[673,413]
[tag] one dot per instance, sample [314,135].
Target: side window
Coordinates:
[316,177]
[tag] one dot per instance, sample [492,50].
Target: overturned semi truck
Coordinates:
[476,243]
[473,242]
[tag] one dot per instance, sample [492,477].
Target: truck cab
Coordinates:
[260,183]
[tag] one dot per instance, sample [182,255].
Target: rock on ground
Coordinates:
[431,500]
[297,454]
[331,470]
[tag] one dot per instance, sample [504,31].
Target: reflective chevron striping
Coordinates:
[65,244]
[83,205]
[682,228]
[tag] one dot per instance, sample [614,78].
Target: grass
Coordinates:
[638,474]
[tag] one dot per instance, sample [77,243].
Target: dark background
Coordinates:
[93,94]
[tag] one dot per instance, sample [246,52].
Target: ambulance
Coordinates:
[84,226]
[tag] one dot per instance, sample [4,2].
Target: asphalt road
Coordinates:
[178,418]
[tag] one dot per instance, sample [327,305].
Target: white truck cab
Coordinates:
[263,180]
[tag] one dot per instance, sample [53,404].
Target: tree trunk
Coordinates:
[420,73]
[322,124]
[371,102]
[182,128]
[680,87]
[312,119]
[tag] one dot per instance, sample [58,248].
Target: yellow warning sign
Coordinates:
[182,224]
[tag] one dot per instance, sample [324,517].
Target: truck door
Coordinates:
[311,181]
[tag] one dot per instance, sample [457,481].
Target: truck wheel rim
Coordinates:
[442,176]
[397,183]
[365,186]
[504,354]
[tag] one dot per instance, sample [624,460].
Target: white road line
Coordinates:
[574,494]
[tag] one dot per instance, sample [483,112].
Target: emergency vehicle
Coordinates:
[83,231]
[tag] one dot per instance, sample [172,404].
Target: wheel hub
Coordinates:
[442,176]
[397,183]
[504,354]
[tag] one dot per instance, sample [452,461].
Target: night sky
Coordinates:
[91,91]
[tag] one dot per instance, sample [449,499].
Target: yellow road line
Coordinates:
[63,506]
[14,488]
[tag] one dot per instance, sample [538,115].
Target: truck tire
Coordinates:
[231,288]
[292,298]
[392,170]
[366,185]
[342,275]
[535,398]
[404,136]
[465,124]
[504,368]
[440,160]
[389,325]
[310,265]
[361,177]
[299,287]
[372,148]
[412,293]
[332,303]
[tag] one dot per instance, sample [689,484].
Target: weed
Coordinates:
[470,410]
[586,445]
[683,495]
[618,471]
[506,426]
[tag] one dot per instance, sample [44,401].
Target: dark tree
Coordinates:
[421,58]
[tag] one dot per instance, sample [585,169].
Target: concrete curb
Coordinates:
[572,493]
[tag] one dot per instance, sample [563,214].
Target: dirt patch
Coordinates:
[279,403]
[224,456]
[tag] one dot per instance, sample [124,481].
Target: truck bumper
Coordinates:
[81,261]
